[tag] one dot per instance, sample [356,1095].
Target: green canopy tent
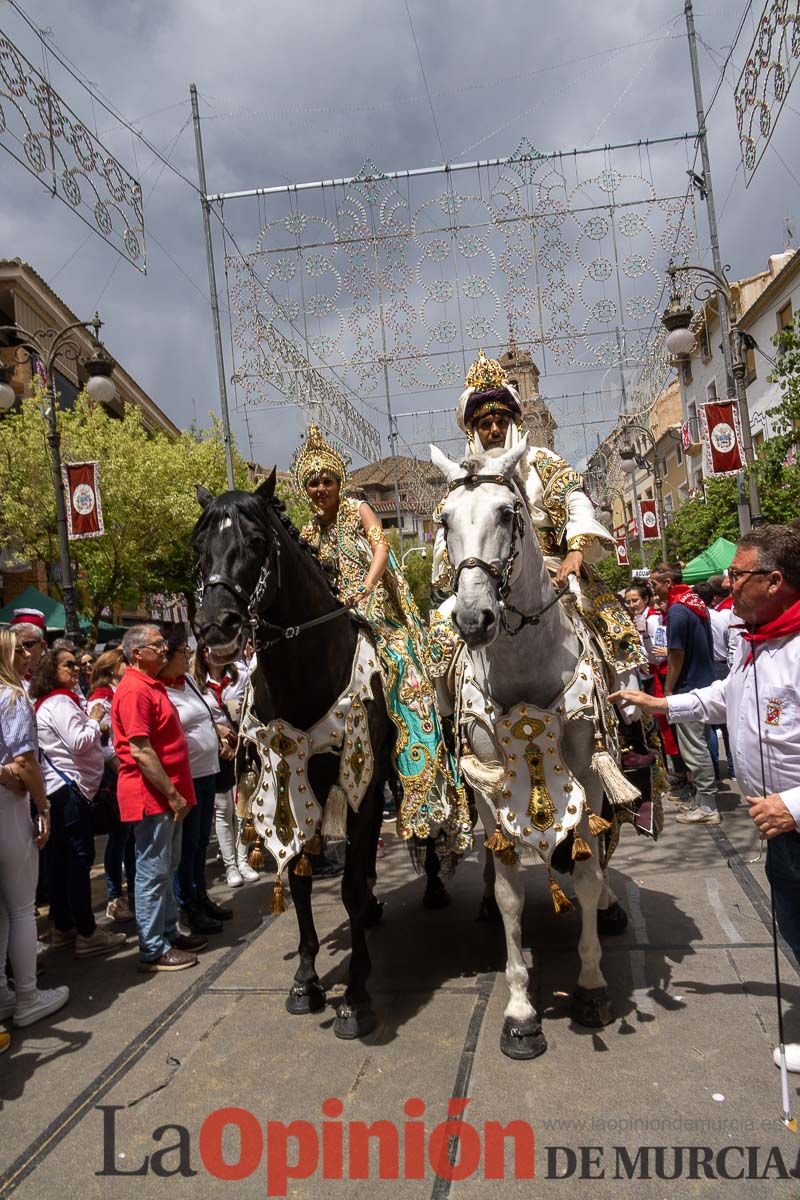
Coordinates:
[713,561]
[54,618]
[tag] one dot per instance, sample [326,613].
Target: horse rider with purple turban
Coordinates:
[571,538]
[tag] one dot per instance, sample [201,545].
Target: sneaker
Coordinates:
[59,939]
[699,816]
[41,1004]
[233,877]
[248,874]
[792,1056]
[172,960]
[189,941]
[119,910]
[8,1002]
[102,941]
[5,1040]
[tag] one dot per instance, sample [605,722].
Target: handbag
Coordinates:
[104,807]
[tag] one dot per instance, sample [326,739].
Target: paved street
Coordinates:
[686,1063]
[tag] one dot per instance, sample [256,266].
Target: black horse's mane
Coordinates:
[232,505]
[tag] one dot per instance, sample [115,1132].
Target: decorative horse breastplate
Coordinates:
[536,798]
[283,806]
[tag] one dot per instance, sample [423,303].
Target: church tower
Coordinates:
[523,374]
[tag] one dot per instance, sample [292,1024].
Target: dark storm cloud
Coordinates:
[308,90]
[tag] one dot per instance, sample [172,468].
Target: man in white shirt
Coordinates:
[760,700]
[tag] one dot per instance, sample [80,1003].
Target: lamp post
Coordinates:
[680,341]
[630,460]
[606,507]
[48,345]
[423,550]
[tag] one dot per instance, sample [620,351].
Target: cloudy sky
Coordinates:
[309,89]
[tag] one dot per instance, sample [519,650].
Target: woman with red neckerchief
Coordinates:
[224,688]
[120,844]
[72,767]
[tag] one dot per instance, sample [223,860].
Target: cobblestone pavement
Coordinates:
[686,1063]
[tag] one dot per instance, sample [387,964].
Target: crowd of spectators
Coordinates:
[135,744]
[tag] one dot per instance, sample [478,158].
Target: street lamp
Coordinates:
[630,460]
[606,509]
[7,394]
[677,318]
[48,345]
[421,550]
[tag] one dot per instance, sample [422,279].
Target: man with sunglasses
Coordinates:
[760,700]
[29,626]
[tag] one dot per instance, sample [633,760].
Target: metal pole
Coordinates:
[71,625]
[212,287]
[633,473]
[702,140]
[739,371]
[388,391]
[659,485]
[447,168]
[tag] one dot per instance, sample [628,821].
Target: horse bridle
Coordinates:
[502,574]
[254,601]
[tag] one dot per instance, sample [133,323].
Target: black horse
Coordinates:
[259,578]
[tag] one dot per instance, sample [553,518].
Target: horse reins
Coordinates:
[254,618]
[502,574]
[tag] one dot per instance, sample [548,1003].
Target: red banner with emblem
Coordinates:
[82,499]
[621,550]
[722,438]
[648,517]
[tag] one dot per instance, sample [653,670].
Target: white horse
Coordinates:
[522,650]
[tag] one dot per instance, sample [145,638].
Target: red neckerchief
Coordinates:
[725,604]
[784,625]
[176,681]
[218,687]
[100,693]
[57,692]
[681,593]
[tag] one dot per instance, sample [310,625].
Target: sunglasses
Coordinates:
[29,645]
[734,573]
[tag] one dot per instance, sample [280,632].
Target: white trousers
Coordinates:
[225,825]
[19,868]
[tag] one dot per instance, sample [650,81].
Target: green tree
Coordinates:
[147,488]
[417,571]
[778,471]
[617,577]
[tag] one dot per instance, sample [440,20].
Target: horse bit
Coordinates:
[502,575]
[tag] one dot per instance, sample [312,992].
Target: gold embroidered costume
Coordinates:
[433,796]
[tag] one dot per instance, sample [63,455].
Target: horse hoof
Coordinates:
[374,913]
[612,921]
[352,1023]
[305,998]
[436,897]
[592,1007]
[522,1039]
[489,911]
